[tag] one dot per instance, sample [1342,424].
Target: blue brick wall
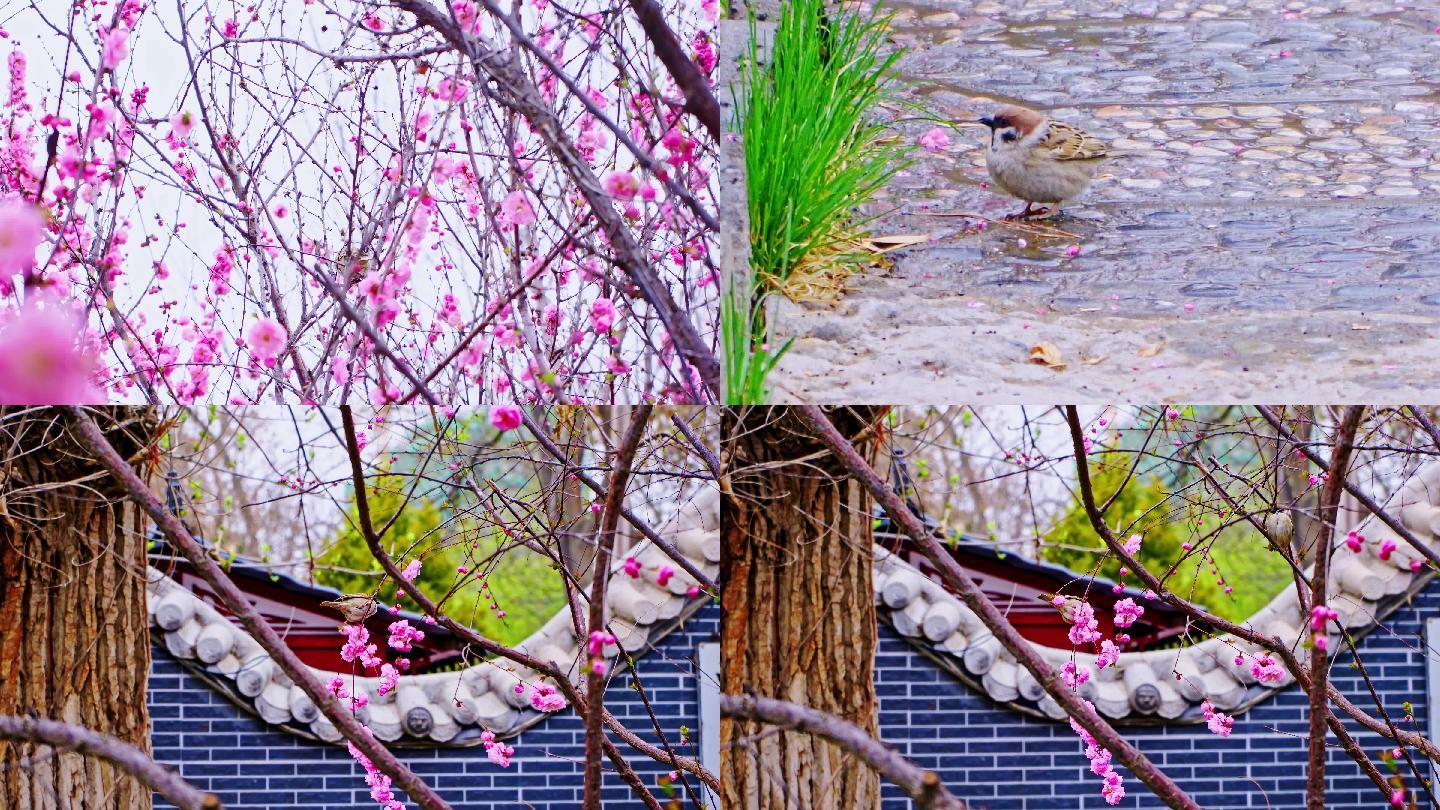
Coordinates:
[998,758]
[232,753]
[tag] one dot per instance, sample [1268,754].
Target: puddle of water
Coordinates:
[1268,154]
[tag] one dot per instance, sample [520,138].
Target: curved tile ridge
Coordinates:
[443,707]
[1168,684]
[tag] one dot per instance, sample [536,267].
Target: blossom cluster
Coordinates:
[546,698]
[1219,723]
[1113,789]
[358,646]
[403,636]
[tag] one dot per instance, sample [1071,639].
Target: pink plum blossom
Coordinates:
[1265,670]
[1219,723]
[114,47]
[1387,547]
[498,752]
[358,646]
[411,571]
[515,209]
[1109,654]
[180,125]
[506,417]
[403,635]
[621,185]
[1085,628]
[632,568]
[40,362]
[934,140]
[22,229]
[1073,675]
[602,315]
[266,338]
[547,698]
[389,679]
[1126,612]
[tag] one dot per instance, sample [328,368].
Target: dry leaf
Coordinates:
[1361,327]
[1151,349]
[1047,355]
[1093,361]
[885,244]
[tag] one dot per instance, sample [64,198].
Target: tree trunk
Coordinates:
[74,633]
[799,610]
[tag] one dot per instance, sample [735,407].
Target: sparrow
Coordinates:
[1039,160]
[1065,604]
[355,607]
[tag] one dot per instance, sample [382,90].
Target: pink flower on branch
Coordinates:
[266,339]
[515,209]
[498,752]
[1219,723]
[41,362]
[602,315]
[22,229]
[1126,612]
[389,679]
[114,47]
[1085,628]
[403,636]
[506,417]
[547,698]
[621,185]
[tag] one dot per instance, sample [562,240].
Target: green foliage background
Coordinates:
[523,583]
[1254,572]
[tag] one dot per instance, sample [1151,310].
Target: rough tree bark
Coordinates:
[799,610]
[74,639]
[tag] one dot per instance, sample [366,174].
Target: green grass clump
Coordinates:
[815,146]
[815,151]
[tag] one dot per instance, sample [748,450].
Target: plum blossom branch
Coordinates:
[1078,708]
[523,98]
[544,668]
[236,602]
[609,520]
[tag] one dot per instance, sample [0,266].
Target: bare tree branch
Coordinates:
[1344,446]
[600,576]
[921,785]
[117,752]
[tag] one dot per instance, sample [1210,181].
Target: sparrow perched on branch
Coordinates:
[1039,160]
[355,607]
[1066,606]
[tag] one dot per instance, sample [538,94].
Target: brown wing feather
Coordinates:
[1065,142]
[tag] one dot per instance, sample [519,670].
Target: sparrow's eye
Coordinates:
[1009,136]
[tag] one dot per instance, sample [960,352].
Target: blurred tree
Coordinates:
[1240,554]
[516,581]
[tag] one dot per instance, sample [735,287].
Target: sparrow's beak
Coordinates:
[988,121]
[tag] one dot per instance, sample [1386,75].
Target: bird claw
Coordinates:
[1031,212]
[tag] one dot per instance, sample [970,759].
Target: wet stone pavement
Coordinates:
[1278,187]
